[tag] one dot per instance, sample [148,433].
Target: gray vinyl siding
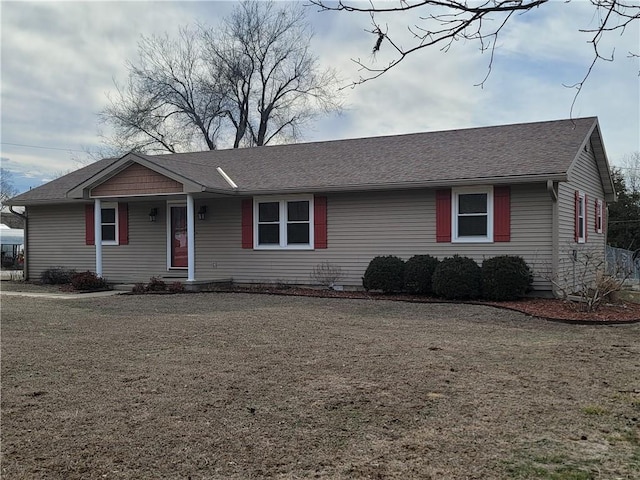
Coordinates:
[364,225]
[585,177]
[56,239]
[146,254]
[360,226]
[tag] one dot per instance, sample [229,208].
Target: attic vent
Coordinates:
[227,178]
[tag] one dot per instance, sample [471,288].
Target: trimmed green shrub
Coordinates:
[384,273]
[418,272]
[457,278]
[57,276]
[505,278]
[88,281]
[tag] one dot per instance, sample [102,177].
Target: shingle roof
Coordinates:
[502,153]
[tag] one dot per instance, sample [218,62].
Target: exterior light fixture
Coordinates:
[152,214]
[202,212]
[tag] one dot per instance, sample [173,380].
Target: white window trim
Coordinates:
[113,205]
[599,214]
[455,192]
[172,203]
[582,214]
[282,200]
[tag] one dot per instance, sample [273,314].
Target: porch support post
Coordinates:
[191,244]
[97,217]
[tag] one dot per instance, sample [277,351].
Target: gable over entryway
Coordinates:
[136,180]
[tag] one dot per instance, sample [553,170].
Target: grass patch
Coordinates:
[242,386]
[595,410]
[531,470]
[632,296]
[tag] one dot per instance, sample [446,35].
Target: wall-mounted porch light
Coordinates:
[152,214]
[202,212]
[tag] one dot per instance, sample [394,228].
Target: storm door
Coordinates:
[178,236]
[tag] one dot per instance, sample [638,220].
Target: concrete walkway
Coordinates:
[62,296]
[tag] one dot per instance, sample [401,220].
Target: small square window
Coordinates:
[108,215]
[472,203]
[298,211]
[269,212]
[298,233]
[475,226]
[269,234]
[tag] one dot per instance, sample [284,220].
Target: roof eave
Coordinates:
[519,179]
[601,160]
[47,201]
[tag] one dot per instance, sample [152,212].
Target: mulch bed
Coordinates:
[545,308]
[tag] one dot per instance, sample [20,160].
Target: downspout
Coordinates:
[25,266]
[552,189]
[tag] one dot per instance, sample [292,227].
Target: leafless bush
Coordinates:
[581,275]
[326,274]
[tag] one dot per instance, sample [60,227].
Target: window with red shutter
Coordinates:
[443,215]
[580,217]
[247,223]
[115,224]
[293,222]
[320,222]
[501,214]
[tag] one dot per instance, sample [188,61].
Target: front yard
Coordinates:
[236,386]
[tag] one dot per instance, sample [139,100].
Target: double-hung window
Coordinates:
[581,227]
[109,213]
[599,211]
[285,222]
[472,214]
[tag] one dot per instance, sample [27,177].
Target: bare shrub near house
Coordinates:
[582,273]
[326,274]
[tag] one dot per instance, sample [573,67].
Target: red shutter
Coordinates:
[123,223]
[443,215]
[604,216]
[247,223]
[596,215]
[586,224]
[501,214]
[89,225]
[577,217]
[320,222]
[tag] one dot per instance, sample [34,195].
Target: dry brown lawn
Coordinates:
[239,386]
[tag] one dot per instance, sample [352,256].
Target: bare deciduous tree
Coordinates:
[166,104]
[440,23]
[630,167]
[276,84]
[7,188]
[253,80]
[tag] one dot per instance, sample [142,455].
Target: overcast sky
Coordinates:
[59,60]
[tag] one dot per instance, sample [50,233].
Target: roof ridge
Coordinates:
[376,137]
